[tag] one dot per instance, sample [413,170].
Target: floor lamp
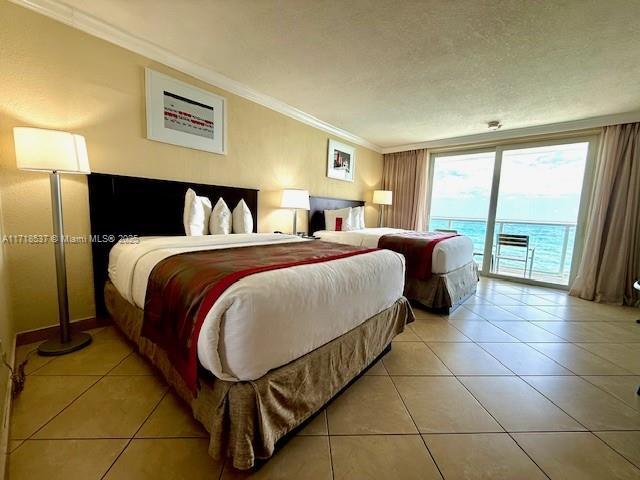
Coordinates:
[55,152]
[382,198]
[295,199]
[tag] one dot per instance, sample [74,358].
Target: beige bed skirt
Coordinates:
[445,291]
[246,419]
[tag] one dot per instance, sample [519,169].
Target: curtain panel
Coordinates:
[610,260]
[405,174]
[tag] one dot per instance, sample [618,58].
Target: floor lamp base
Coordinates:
[54,346]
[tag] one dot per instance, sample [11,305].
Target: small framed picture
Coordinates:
[184,115]
[341,161]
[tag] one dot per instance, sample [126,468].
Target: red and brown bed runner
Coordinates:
[417,248]
[183,288]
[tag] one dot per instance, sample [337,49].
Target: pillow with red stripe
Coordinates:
[331,218]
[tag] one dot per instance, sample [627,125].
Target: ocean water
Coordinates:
[548,241]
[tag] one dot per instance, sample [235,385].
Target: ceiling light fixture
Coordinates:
[494,125]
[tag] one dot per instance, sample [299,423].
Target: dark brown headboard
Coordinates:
[121,205]
[320,204]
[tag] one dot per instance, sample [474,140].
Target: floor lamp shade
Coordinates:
[382,198]
[55,152]
[50,151]
[295,199]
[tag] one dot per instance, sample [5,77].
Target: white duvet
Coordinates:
[268,319]
[448,255]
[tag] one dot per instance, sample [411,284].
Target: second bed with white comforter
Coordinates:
[448,255]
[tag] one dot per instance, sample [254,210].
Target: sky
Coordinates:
[536,184]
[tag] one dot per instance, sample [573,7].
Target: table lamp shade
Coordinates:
[295,199]
[50,151]
[382,197]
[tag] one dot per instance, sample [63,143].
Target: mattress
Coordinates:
[448,255]
[268,319]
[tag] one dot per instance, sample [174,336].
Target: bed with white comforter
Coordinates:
[268,319]
[448,255]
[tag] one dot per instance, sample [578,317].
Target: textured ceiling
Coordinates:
[398,72]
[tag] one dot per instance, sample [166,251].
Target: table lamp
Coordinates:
[382,198]
[55,152]
[295,199]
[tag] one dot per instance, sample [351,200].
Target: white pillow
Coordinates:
[242,218]
[357,218]
[339,219]
[220,220]
[196,214]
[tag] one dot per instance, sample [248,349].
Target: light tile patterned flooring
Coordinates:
[519,383]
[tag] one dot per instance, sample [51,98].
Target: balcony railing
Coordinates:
[553,243]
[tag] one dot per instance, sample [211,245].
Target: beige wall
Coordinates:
[54,76]
[7,332]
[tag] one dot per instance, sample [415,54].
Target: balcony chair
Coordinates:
[518,241]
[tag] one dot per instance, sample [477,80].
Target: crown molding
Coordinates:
[91,25]
[587,123]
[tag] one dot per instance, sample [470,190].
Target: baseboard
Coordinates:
[40,334]
[6,415]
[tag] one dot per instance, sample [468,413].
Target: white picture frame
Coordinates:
[184,115]
[341,161]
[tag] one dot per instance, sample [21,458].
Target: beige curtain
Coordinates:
[611,257]
[405,174]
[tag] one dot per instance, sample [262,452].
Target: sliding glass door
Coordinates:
[521,205]
[461,193]
[537,211]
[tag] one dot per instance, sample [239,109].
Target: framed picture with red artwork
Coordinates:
[341,161]
[184,115]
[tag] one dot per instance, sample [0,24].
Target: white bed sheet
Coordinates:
[268,319]
[448,255]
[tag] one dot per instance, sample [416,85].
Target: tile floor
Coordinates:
[520,383]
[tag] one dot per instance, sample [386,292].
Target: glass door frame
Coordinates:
[448,153]
[585,197]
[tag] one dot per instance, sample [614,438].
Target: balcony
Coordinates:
[551,244]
